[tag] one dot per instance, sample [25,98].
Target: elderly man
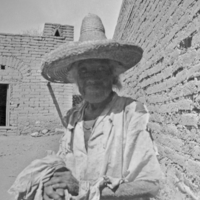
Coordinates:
[108,153]
[106,147]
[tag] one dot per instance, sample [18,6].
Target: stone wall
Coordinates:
[168,81]
[31,107]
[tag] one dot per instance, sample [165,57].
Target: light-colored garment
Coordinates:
[87,129]
[118,150]
[119,147]
[29,183]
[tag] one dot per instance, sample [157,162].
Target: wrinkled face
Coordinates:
[94,79]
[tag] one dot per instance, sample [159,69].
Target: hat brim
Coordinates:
[57,64]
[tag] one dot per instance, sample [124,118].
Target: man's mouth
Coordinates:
[93,86]
[96,84]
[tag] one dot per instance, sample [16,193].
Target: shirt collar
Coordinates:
[79,111]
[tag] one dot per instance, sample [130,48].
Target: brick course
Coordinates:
[168,80]
[31,107]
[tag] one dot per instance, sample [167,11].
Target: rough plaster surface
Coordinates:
[30,105]
[168,81]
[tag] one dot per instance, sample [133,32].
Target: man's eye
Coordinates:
[102,69]
[83,71]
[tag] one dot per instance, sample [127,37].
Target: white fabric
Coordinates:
[119,148]
[87,129]
[29,183]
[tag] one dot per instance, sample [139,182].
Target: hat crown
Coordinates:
[92,28]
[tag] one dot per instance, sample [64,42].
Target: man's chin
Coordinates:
[96,98]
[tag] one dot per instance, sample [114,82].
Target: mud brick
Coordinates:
[189,119]
[18,57]
[193,166]
[173,155]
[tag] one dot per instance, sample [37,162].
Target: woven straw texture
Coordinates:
[92,45]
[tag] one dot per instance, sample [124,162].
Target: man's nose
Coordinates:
[95,75]
[93,81]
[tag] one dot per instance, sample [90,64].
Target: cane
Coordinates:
[55,102]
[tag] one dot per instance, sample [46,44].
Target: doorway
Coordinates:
[3,104]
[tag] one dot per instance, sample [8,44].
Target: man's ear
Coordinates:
[74,71]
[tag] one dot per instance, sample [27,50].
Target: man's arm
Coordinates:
[131,190]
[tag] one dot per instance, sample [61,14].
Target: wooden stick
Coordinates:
[55,102]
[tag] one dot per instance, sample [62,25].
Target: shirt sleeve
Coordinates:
[139,159]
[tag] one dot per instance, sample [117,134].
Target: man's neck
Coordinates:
[92,110]
[98,106]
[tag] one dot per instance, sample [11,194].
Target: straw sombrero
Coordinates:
[93,44]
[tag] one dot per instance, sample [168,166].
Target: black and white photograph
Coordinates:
[99,99]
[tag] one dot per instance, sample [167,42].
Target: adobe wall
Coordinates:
[168,81]
[31,107]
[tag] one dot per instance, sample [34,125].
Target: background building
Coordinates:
[26,102]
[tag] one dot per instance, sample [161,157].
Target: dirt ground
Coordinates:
[16,152]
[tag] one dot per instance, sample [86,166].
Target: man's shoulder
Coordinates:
[73,114]
[130,104]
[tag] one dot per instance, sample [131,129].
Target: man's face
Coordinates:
[94,80]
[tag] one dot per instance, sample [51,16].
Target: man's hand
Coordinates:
[54,188]
[51,194]
[131,190]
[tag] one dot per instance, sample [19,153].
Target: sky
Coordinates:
[17,16]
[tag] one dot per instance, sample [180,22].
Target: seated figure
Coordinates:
[106,150]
